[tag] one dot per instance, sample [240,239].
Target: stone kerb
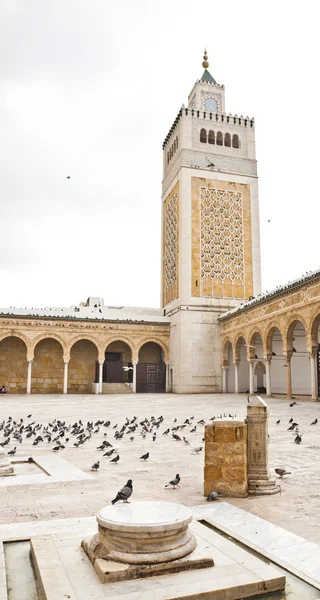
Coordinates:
[226,468]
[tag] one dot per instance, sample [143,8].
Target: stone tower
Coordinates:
[210,231]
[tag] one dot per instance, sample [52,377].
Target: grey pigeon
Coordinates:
[175,482]
[213,496]
[197,450]
[125,493]
[95,466]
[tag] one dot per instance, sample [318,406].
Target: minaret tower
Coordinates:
[210,230]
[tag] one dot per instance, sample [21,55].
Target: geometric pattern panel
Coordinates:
[221,253]
[170,248]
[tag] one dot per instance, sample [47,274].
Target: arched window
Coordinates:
[203,136]
[235,141]
[227,140]
[219,139]
[211,137]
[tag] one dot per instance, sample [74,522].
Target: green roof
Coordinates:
[207,77]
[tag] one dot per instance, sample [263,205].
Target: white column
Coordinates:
[224,379]
[268,376]
[134,376]
[65,377]
[251,381]
[314,390]
[100,375]
[29,376]
[167,378]
[236,378]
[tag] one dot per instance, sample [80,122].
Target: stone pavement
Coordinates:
[296,509]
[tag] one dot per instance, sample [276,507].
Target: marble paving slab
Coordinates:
[55,468]
[293,553]
[80,582]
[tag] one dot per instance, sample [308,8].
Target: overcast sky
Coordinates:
[90,88]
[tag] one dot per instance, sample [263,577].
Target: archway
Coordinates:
[151,369]
[82,367]
[260,374]
[300,367]
[13,365]
[278,363]
[47,367]
[117,366]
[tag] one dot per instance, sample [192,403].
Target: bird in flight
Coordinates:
[210,163]
[68,177]
[269,220]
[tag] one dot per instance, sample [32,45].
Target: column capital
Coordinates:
[30,359]
[268,358]
[135,362]
[225,367]
[66,361]
[288,355]
[236,363]
[101,362]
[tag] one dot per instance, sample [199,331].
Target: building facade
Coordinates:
[215,331]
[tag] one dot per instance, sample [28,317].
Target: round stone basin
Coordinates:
[146,532]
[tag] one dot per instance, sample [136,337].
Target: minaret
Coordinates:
[210,230]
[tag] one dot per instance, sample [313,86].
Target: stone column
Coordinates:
[251,381]
[236,377]
[289,384]
[268,376]
[259,480]
[314,386]
[134,376]
[29,375]
[100,375]
[65,376]
[224,379]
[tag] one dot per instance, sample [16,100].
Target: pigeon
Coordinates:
[290,420]
[292,426]
[12,452]
[166,432]
[115,459]
[56,449]
[213,496]
[176,437]
[125,493]
[109,453]
[145,456]
[277,422]
[186,441]
[29,416]
[314,422]
[282,472]
[175,482]
[202,422]
[197,450]
[96,466]
[293,404]
[68,177]
[154,436]
[298,439]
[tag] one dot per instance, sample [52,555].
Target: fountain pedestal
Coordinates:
[143,539]
[6,468]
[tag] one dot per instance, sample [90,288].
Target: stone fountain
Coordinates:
[143,539]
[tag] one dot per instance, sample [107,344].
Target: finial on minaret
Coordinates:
[205,63]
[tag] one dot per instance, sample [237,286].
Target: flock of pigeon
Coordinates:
[60,435]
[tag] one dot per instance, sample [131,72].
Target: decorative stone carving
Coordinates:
[6,468]
[259,479]
[221,234]
[170,241]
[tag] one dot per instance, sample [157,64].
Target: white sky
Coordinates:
[90,88]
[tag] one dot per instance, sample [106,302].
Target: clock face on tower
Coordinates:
[211,104]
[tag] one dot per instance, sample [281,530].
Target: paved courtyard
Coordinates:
[296,509]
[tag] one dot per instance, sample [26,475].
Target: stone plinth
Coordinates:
[142,539]
[6,468]
[260,481]
[225,467]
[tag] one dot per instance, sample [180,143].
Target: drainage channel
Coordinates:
[20,574]
[296,589]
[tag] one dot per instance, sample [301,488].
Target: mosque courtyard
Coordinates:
[296,509]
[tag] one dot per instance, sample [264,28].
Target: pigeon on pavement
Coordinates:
[145,456]
[115,459]
[197,450]
[125,493]
[282,472]
[314,422]
[95,466]
[175,482]
[213,496]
